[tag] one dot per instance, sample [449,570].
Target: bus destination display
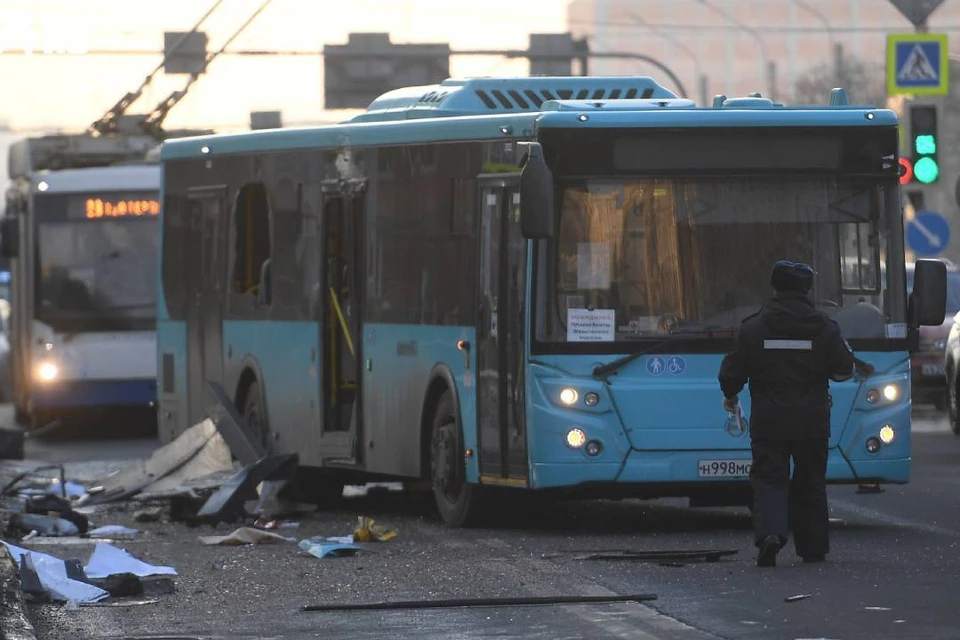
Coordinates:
[120,208]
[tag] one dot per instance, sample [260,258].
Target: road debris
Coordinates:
[227,503]
[243,536]
[367,530]
[108,560]
[149,514]
[112,531]
[323,547]
[660,556]
[480,602]
[196,452]
[797,598]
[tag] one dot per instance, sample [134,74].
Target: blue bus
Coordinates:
[345,285]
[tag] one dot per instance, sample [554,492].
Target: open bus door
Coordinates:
[339,310]
[206,266]
[501,417]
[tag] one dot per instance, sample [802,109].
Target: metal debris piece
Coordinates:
[164,461]
[480,602]
[708,555]
[802,596]
[243,443]
[226,504]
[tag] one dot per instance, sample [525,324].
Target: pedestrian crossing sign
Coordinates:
[917,63]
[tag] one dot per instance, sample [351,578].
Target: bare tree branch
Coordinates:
[865,83]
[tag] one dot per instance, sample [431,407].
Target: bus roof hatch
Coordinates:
[483,96]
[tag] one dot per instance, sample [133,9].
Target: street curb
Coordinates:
[14,624]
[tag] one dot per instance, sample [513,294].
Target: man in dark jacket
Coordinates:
[788,351]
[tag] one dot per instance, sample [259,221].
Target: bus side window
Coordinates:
[251,220]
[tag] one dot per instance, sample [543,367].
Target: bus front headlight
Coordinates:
[47,371]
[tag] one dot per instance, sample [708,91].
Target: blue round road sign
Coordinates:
[928,234]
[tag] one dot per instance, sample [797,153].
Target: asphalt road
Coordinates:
[891,574]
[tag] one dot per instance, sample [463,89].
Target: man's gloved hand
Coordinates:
[731,404]
[863,368]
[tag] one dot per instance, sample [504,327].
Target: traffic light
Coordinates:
[923,143]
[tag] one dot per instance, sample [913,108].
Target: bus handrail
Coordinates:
[343,322]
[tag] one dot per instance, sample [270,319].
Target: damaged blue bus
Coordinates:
[345,285]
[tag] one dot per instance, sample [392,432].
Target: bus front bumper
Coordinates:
[89,394]
[719,467]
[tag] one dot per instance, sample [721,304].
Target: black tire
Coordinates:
[457,500]
[255,415]
[952,402]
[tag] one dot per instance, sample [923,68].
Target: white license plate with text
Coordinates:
[723,468]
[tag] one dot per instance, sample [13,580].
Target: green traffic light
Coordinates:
[926,170]
[925,145]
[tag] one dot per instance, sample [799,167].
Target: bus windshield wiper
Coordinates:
[604,370]
[702,331]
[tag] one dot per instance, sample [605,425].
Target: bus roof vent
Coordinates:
[750,102]
[481,96]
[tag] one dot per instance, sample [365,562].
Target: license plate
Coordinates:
[933,370]
[723,468]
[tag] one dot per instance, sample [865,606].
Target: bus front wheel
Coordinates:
[456,499]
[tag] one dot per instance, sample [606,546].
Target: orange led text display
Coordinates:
[99,208]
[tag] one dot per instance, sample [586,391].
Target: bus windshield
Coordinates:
[94,268]
[690,257]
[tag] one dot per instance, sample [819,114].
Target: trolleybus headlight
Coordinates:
[576,438]
[47,371]
[872,396]
[891,392]
[593,448]
[591,399]
[568,395]
[887,434]
[873,444]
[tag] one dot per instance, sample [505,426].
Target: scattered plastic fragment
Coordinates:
[322,548]
[70,490]
[367,530]
[112,531]
[877,609]
[802,596]
[108,560]
[245,535]
[43,525]
[45,575]
[265,523]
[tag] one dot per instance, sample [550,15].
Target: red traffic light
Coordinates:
[906,171]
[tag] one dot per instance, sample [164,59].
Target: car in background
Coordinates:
[928,366]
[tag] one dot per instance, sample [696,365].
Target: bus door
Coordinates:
[341,280]
[206,269]
[502,439]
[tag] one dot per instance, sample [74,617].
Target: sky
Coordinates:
[69,91]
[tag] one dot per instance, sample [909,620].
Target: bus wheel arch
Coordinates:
[250,399]
[456,499]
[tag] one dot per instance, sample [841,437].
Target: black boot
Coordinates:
[769,548]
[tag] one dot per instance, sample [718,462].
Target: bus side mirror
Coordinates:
[536,195]
[9,237]
[928,300]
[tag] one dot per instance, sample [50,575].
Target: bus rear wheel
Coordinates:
[456,499]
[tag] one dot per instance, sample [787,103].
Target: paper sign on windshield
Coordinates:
[585,325]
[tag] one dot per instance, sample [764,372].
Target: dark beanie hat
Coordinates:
[792,276]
